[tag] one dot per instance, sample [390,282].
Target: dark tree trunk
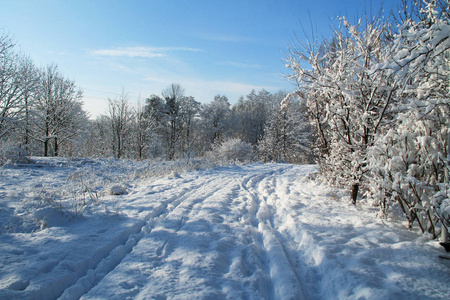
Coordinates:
[46,147]
[47,139]
[56,147]
[354,194]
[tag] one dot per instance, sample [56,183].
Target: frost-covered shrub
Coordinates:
[441,203]
[408,170]
[347,103]
[232,150]
[410,161]
[14,155]
[380,104]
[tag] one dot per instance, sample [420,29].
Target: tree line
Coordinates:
[173,125]
[41,114]
[377,94]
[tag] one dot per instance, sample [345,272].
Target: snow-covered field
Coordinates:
[239,232]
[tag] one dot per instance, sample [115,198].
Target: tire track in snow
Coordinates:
[114,256]
[253,207]
[247,269]
[280,265]
[291,228]
[287,244]
[170,238]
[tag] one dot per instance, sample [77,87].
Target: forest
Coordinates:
[371,108]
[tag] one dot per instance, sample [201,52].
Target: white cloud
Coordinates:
[146,52]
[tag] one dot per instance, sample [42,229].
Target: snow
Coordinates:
[261,231]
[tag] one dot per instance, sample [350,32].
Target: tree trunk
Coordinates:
[27,119]
[56,147]
[354,194]
[46,147]
[119,146]
[172,140]
[46,139]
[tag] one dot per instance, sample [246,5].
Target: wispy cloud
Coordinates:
[143,52]
[239,65]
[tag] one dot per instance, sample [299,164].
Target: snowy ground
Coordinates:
[239,232]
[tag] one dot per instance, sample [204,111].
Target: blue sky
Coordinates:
[209,47]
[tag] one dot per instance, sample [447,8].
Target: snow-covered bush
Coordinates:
[14,155]
[232,150]
[441,203]
[408,170]
[380,105]
[347,105]
[410,161]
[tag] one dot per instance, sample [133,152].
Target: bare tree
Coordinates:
[120,117]
[141,126]
[30,91]
[57,113]
[18,80]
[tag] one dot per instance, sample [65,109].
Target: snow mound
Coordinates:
[173,175]
[117,190]
[52,217]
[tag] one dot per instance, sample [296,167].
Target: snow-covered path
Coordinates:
[250,232]
[213,237]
